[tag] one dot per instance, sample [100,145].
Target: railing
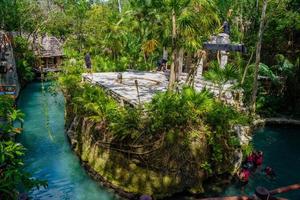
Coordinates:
[261,194]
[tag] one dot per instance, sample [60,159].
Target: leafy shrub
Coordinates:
[12,175]
[173,115]
[178,110]
[25,59]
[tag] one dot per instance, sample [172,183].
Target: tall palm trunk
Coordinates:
[200,63]
[120,6]
[257,60]
[180,62]
[174,53]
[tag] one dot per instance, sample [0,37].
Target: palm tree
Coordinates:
[220,76]
[16,115]
[192,21]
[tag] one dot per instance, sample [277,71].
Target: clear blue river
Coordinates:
[49,155]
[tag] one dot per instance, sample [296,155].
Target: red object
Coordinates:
[259,160]
[245,174]
[268,170]
[250,158]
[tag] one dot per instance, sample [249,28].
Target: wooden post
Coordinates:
[137,90]
[285,189]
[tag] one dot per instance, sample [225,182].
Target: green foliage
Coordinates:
[274,92]
[178,110]
[269,105]
[172,115]
[221,119]
[133,39]
[6,102]
[247,149]
[25,59]
[12,175]
[264,70]
[207,167]
[221,76]
[20,15]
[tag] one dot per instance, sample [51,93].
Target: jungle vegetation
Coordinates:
[13,178]
[134,34]
[131,34]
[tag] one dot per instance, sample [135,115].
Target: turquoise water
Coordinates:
[281,147]
[49,155]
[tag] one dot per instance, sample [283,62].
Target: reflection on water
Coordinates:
[48,152]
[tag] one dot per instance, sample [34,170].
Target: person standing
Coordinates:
[88,62]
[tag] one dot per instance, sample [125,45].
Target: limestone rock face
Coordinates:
[243,133]
[160,174]
[159,167]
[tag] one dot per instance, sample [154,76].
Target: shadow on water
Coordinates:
[48,152]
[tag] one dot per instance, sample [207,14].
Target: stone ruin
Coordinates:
[9,83]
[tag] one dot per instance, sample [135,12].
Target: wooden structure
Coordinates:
[221,43]
[9,84]
[261,193]
[48,49]
[139,87]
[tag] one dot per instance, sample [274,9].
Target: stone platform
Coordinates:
[149,83]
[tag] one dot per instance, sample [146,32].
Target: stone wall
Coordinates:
[125,173]
[175,166]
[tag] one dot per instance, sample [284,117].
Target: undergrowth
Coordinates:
[167,115]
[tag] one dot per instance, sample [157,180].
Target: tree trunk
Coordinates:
[200,63]
[180,62]
[188,63]
[174,53]
[120,6]
[165,53]
[257,60]
[246,68]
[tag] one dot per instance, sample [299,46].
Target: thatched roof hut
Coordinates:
[49,50]
[48,46]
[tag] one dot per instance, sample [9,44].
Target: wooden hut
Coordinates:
[48,49]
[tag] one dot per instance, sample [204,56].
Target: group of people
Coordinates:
[251,164]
